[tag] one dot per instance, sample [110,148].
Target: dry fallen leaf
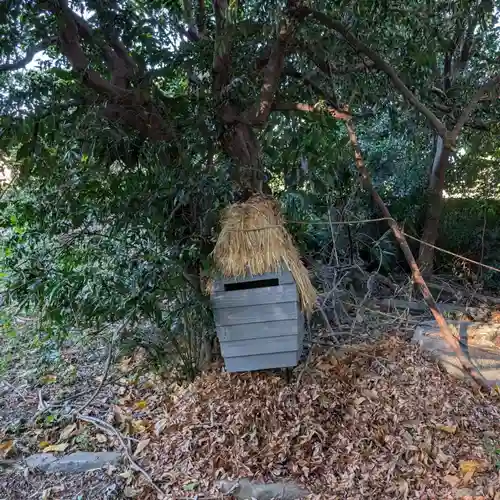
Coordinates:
[101,438]
[140,446]
[141,404]
[160,425]
[467,478]
[67,432]
[6,448]
[472,466]
[130,492]
[450,429]
[48,379]
[56,447]
[453,481]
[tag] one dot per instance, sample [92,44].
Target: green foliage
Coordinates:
[106,224]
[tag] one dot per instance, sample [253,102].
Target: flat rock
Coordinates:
[244,489]
[80,461]
[478,342]
[40,461]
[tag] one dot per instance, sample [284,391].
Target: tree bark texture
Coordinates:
[434,208]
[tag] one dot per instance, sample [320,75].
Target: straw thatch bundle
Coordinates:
[253,240]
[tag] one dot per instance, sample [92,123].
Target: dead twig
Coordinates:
[111,430]
[15,389]
[111,344]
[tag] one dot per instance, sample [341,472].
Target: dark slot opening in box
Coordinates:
[249,285]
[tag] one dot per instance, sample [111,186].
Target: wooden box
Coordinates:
[259,322]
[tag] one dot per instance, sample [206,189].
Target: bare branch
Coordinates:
[380,64]
[469,109]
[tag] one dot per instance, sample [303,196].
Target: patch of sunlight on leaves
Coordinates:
[450,429]
[48,379]
[6,448]
[56,447]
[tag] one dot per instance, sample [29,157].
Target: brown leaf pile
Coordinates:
[381,423]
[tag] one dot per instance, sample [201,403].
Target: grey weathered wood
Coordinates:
[255,296]
[252,347]
[285,277]
[255,314]
[301,327]
[259,328]
[261,362]
[257,331]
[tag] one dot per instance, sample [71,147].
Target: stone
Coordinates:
[244,489]
[477,341]
[40,461]
[80,461]
[464,492]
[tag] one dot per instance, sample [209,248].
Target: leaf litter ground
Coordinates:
[380,422]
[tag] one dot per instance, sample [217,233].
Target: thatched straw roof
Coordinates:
[253,240]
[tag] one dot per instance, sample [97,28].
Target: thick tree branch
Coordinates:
[221,66]
[273,72]
[380,64]
[309,108]
[330,69]
[132,108]
[71,48]
[469,109]
[107,18]
[31,52]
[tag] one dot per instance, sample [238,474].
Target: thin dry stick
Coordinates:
[417,276]
[111,430]
[312,223]
[106,368]
[482,242]
[496,269]
[103,379]
[15,389]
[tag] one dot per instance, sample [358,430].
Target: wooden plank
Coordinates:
[261,362]
[285,277]
[255,314]
[259,346]
[256,296]
[301,326]
[257,330]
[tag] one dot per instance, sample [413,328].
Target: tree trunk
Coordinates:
[242,146]
[416,274]
[434,208]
